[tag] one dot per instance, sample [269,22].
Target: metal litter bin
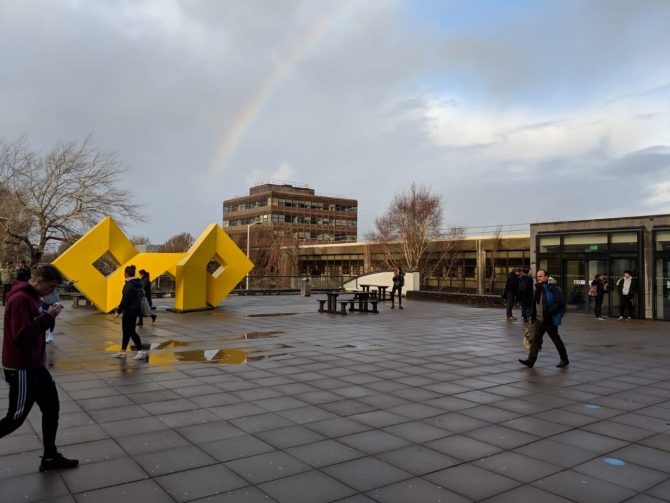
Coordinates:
[306,287]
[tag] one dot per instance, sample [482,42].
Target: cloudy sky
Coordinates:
[513,111]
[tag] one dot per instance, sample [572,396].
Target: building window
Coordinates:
[663,241]
[585,243]
[549,244]
[624,241]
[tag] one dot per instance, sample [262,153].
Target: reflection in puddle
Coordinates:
[252,335]
[170,351]
[222,356]
[168,344]
[264,357]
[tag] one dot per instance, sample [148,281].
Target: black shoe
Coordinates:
[392,306]
[527,363]
[563,363]
[400,307]
[58,462]
[153,318]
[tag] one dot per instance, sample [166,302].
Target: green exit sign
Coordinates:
[593,248]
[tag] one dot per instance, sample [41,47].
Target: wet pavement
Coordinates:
[264,399]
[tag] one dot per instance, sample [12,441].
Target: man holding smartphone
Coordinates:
[24,361]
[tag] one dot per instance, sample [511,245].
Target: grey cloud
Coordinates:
[348,116]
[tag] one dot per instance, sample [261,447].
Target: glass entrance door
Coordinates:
[617,268]
[663,289]
[594,267]
[574,284]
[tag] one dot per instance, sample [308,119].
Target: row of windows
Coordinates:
[337,236]
[290,203]
[589,243]
[291,219]
[261,203]
[316,205]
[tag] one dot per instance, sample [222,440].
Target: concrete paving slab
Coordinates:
[426,403]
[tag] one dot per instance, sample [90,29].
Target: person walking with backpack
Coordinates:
[130,309]
[548,310]
[597,291]
[398,283]
[145,280]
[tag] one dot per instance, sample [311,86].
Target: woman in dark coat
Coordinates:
[130,309]
[601,289]
[398,283]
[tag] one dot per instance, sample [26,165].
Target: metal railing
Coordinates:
[280,283]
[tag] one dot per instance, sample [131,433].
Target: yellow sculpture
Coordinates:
[195,287]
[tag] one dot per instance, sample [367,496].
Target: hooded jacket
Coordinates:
[25,324]
[552,312]
[131,296]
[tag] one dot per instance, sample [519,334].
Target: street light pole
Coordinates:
[248,236]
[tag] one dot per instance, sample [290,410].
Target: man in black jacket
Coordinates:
[511,287]
[524,294]
[548,309]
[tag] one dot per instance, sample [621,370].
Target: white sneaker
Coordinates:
[120,354]
[50,337]
[141,355]
[621,317]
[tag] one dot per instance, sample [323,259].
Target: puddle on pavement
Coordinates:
[170,351]
[167,352]
[263,315]
[222,356]
[253,335]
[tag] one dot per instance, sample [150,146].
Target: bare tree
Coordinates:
[446,251]
[63,193]
[412,221]
[179,243]
[140,240]
[13,218]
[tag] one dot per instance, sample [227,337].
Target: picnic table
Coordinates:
[331,300]
[381,290]
[361,302]
[366,301]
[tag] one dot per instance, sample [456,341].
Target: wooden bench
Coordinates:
[76,297]
[363,305]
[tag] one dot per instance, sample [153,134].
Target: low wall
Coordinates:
[412,281]
[471,299]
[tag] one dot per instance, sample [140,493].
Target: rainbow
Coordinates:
[251,109]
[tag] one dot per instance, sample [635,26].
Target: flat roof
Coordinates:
[601,219]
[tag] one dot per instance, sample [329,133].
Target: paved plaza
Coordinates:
[264,400]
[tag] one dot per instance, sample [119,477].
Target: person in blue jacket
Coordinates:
[546,316]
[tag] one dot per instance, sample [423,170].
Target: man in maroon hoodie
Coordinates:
[24,360]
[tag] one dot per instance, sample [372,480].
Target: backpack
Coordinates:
[593,291]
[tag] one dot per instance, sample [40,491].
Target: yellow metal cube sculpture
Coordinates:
[195,288]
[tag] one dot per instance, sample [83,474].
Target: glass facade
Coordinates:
[574,258]
[662,274]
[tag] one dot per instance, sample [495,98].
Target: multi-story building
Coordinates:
[292,211]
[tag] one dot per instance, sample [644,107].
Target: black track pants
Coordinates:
[27,387]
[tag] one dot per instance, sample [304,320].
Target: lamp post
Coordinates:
[248,235]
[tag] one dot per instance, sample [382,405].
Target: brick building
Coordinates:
[292,211]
